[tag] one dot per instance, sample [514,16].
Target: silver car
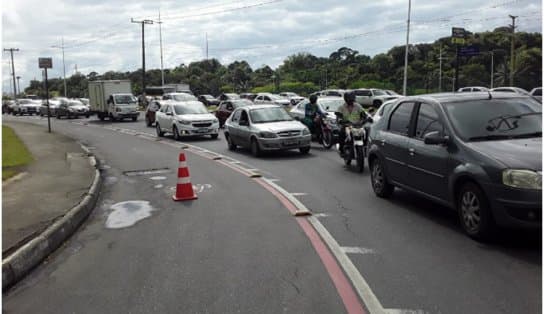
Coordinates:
[266,128]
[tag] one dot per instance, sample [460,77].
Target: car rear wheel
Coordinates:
[160,133]
[255,149]
[381,187]
[214,136]
[134,119]
[230,143]
[474,212]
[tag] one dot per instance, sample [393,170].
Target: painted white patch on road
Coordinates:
[104,167]
[157,178]
[158,186]
[299,194]
[126,214]
[356,250]
[322,215]
[110,180]
[199,188]
[401,311]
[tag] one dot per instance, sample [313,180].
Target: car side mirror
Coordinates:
[435,138]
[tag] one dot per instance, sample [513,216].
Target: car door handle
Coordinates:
[412,151]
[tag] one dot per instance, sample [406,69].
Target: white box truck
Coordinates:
[113,100]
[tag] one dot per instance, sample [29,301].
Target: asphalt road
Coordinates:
[411,252]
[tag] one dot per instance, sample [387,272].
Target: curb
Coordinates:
[22,261]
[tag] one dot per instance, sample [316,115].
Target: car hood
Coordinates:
[515,153]
[196,117]
[30,105]
[79,107]
[281,101]
[279,126]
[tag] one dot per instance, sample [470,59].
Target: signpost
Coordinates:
[46,63]
[458,35]
[469,51]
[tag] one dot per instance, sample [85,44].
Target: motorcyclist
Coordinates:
[351,112]
[312,112]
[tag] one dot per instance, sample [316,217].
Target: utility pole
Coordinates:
[512,49]
[160,40]
[440,71]
[11,50]
[63,64]
[143,22]
[406,50]
[206,46]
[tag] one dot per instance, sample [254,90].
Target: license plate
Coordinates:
[201,131]
[290,143]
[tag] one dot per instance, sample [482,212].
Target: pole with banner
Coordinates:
[46,63]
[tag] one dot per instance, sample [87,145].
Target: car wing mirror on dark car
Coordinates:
[435,138]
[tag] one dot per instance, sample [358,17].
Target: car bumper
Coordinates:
[284,143]
[516,208]
[127,114]
[189,130]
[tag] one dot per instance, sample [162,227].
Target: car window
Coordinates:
[538,92]
[361,92]
[229,106]
[267,98]
[400,118]
[427,121]
[168,109]
[236,116]
[243,116]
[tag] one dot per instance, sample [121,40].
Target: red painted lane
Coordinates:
[345,290]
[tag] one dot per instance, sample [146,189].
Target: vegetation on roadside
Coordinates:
[348,68]
[15,155]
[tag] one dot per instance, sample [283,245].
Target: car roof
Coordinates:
[454,97]
[252,107]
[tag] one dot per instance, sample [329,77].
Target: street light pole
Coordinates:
[160,40]
[18,85]
[406,50]
[11,50]
[512,49]
[491,84]
[143,22]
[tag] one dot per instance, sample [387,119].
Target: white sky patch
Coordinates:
[99,36]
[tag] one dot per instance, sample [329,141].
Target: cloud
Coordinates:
[99,35]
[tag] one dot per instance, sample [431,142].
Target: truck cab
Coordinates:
[123,106]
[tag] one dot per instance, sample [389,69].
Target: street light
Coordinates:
[406,50]
[18,85]
[492,52]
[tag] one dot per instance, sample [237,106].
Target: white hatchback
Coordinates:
[187,118]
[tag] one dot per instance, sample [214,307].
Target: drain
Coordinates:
[146,172]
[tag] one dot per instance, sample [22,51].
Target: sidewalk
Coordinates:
[55,182]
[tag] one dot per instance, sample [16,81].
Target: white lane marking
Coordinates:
[158,186]
[273,180]
[299,194]
[322,215]
[403,311]
[252,169]
[361,286]
[356,250]
[157,178]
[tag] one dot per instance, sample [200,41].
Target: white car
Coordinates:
[26,106]
[187,118]
[472,89]
[371,97]
[537,93]
[271,99]
[294,98]
[508,89]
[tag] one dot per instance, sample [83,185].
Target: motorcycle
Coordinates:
[325,134]
[355,147]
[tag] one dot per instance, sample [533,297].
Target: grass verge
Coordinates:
[15,155]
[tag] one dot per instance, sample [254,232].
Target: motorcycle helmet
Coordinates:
[313,98]
[349,97]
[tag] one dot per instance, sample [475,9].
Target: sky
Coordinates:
[99,35]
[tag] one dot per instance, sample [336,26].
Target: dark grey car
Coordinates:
[478,153]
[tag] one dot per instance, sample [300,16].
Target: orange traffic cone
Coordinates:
[184,188]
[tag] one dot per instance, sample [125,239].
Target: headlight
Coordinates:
[306,131]
[184,122]
[268,135]
[523,179]
[215,121]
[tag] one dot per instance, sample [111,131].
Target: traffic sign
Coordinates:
[45,63]
[469,51]
[458,35]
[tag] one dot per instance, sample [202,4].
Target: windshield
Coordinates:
[233,96]
[125,99]
[182,97]
[496,119]
[275,97]
[190,108]
[332,104]
[74,103]
[25,101]
[271,114]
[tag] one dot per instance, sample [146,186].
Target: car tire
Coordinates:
[160,133]
[475,213]
[304,150]
[214,136]
[87,116]
[230,142]
[175,133]
[58,115]
[360,159]
[255,149]
[378,179]
[134,119]
[347,156]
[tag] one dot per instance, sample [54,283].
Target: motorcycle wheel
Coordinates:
[326,139]
[360,159]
